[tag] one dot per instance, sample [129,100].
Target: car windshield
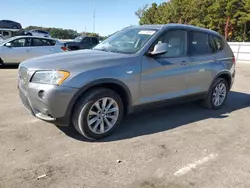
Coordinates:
[78,39]
[128,41]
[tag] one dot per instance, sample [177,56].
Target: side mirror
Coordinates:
[160,49]
[8,44]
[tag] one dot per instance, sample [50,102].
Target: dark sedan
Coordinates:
[10,24]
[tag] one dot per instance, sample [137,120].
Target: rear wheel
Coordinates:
[217,95]
[1,63]
[98,113]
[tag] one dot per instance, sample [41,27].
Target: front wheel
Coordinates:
[217,95]
[98,113]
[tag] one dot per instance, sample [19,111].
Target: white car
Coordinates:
[20,48]
[37,32]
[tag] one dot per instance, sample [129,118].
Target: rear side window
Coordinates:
[199,44]
[43,42]
[219,44]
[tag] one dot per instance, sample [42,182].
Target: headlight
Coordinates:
[50,77]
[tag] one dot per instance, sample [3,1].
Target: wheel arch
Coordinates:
[225,75]
[117,86]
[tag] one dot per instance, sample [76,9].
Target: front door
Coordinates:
[17,51]
[86,43]
[166,76]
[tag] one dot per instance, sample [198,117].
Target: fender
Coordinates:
[218,75]
[81,91]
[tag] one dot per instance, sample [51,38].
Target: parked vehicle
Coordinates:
[138,66]
[8,33]
[18,49]
[82,42]
[10,24]
[36,32]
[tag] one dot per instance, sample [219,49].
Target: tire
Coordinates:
[1,63]
[86,104]
[209,101]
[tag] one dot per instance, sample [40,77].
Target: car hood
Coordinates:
[76,60]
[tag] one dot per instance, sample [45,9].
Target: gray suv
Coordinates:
[137,66]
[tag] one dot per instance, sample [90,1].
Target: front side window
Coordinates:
[94,41]
[176,40]
[128,41]
[5,33]
[18,43]
[86,40]
[78,39]
[199,44]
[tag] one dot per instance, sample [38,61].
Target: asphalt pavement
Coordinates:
[180,146]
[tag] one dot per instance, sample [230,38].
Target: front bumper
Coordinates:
[47,102]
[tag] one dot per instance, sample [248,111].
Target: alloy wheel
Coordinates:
[103,115]
[219,94]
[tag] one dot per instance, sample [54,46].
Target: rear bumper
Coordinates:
[47,102]
[233,78]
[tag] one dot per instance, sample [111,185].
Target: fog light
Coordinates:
[41,94]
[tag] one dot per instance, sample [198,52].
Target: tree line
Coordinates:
[231,18]
[65,33]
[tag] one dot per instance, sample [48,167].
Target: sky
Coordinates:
[110,15]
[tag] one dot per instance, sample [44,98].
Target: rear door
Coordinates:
[17,52]
[202,58]
[40,47]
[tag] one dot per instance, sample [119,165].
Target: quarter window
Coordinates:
[218,43]
[199,44]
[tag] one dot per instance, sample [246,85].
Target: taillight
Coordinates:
[234,60]
[64,48]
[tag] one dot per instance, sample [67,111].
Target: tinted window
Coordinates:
[200,44]
[94,41]
[218,43]
[176,40]
[43,32]
[19,43]
[87,40]
[5,33]
[43,42]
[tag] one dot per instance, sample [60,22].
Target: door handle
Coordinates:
[28,50]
